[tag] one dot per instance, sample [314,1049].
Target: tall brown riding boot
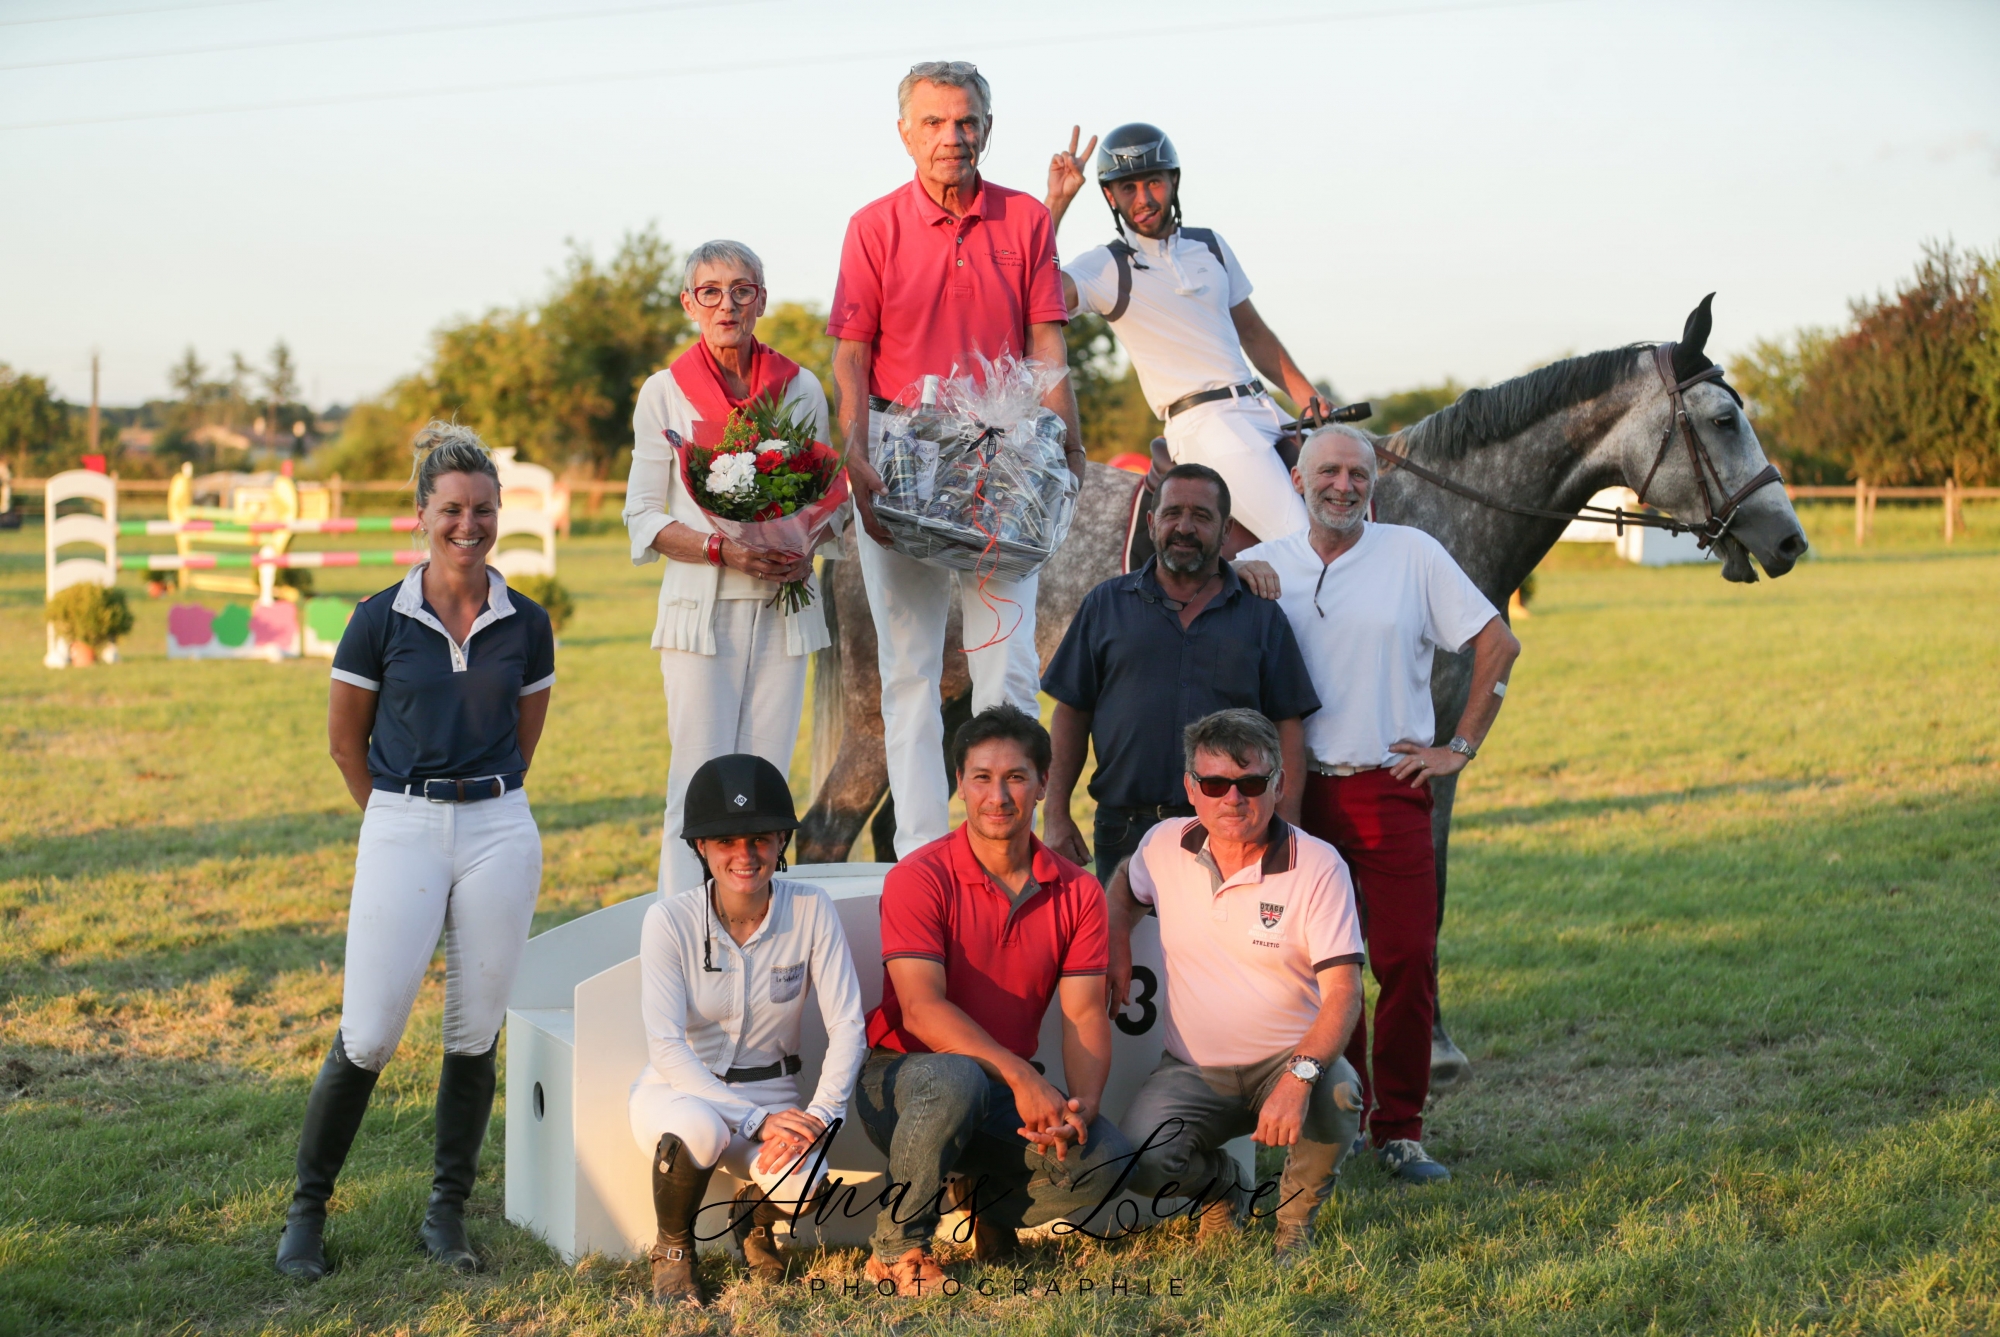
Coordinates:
[753,1219]
[678,1186]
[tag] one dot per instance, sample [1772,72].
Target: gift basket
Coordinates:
[975,474]
[767,484]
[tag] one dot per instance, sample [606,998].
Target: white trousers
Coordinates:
[468,871]
[1233,437]
[658,1109]
[746,697]
[910,600]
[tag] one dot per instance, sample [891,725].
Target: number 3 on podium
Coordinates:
[1149,1012]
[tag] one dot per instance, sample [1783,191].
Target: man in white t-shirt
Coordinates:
[1371,605]
[1263,966]
[1180,303]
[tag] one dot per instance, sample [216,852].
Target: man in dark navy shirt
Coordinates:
[1152,652]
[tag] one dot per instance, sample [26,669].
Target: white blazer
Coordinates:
[654,496]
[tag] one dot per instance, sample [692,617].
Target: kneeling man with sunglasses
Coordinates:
[1263,956]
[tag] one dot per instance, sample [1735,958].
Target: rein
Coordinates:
[1707,533]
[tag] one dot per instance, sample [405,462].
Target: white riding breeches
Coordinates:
[746,697]
[1233,437]
[658,1109]
[909,601]
[468,871]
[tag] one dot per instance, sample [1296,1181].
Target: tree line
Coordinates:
[555,379]
[1907,392]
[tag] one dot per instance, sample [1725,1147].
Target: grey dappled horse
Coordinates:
[1549,439]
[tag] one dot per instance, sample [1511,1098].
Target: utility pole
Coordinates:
[93,404]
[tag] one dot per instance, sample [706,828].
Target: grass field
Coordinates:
[1725,910]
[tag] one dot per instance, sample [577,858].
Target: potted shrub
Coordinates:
[550,594]
[90,618]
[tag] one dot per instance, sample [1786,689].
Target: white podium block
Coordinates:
[576,1043]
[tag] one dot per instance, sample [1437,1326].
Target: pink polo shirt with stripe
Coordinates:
[1243,953]
[925,290]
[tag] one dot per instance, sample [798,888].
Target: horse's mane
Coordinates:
[1481,417]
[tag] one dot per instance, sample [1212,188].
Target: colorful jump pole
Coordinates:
[208,561]
[353,524]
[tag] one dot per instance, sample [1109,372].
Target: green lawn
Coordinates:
[1724,917]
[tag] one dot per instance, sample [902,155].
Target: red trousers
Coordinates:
[1382,827]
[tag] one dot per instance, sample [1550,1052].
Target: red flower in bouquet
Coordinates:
[767,484]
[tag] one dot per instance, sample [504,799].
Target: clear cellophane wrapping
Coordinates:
[977,480]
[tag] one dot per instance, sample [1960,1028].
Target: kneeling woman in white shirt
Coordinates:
[724,974]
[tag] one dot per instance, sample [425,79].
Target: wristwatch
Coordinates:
[1463,748]
[1306,1068]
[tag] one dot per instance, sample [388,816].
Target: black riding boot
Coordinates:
[333,1113]
[464,1104]
[678,1186]
[753,1219]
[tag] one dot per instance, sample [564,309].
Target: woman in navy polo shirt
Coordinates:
[440,689]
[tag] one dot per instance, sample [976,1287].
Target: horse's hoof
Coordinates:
[1450,1068]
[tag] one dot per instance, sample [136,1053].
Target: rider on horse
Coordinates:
[1180,302]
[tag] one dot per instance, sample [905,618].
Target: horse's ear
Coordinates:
[1689,356]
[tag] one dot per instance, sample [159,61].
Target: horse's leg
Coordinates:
[859,772]
[1451,677]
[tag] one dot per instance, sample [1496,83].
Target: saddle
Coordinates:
[1139,542]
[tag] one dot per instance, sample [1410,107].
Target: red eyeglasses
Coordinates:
[1218,786]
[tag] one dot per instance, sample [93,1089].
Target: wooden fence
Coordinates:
[594,490]
[1865,494]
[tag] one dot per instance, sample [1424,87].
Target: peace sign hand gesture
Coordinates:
[1066,173]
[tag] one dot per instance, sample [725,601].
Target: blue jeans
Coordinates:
[940,1114]
[1115,833]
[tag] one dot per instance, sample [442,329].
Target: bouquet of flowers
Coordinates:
[767,484]
[974,470]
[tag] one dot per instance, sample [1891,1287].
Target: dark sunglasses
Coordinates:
[1218,786]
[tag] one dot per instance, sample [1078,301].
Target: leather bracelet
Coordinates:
[714,550]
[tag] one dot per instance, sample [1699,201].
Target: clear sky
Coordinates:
[1417,190]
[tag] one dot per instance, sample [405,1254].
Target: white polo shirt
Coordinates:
[1369,625]
[1176,326]
[1243,954]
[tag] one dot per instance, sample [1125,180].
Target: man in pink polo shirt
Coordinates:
[1263,962]
[980,930]
[943,267]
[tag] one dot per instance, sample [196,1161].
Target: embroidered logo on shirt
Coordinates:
[787,981]
[1270,913]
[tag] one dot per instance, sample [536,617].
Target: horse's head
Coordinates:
[1706,482]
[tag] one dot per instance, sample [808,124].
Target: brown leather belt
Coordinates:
[1185,402]
[1318,768]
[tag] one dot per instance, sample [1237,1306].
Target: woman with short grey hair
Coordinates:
[733,663]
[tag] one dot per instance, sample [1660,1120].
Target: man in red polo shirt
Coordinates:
[945,266]
[979,931]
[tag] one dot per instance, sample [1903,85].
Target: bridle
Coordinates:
[1715,524]
[1719,517]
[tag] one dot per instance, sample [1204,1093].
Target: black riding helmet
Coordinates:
[734,795]
[1137,149]
[737,795]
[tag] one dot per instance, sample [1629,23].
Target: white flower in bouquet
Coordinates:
[734,474]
